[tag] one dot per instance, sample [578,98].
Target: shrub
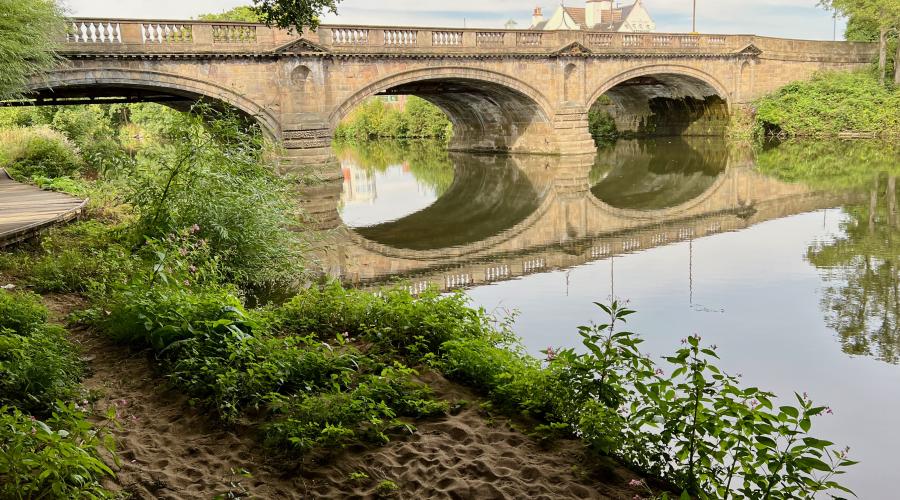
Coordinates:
[85,257]
[37,151]
[415,326]
[831,103]
[38,366]
[212,175]
[53,458]
[21,312]
[373,119]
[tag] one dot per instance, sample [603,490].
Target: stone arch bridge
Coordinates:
[504,90]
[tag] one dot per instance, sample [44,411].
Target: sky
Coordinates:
[781,18]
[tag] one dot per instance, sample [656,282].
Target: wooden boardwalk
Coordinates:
[26,210]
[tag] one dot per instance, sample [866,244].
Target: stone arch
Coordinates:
[667,99]
[101,81]
[490,111]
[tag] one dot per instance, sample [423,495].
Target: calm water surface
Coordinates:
[786,258]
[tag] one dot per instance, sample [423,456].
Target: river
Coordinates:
[785,256]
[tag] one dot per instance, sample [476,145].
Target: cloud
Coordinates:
[783,18]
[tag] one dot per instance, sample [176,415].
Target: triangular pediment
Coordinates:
[573,49]
[298,46]
[750,50]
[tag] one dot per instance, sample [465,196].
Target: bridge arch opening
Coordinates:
[75,87]
[661,102]
[490,112]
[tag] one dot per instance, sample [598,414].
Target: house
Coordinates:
[596,15]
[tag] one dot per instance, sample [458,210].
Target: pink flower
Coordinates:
[635,483]
[192,269]
[195,229]
[551,353]
[183,251]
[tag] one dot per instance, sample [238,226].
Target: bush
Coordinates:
[415,326]
[21,312]
[55,458]
[38,366]
[37,151]
[373,119]
[831,103]
[212,175]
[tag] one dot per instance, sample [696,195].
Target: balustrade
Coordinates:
[132,33]
[349,36]
[529,39]
[632,40]
[689,41]
[447,38]
[661,40]
[166,33]
[401,38]
[94,32]
[599,40]
[489,38]
[230,33]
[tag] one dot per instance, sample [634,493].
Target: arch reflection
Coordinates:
[468,197]
[658,173]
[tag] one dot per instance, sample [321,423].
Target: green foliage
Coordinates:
[831,103]
[211,172]
[373,119]
[38,366]
[366,411]
[243,13]
[386,487]
[397,321]
[30,33]
[37,151]
[54,458]
[85,257]
[294,14]
[832,165]
[601,123]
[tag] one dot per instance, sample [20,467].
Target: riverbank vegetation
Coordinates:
[828,105]
[376,118]
[191,232]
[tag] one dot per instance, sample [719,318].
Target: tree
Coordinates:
[883,14]
[243,13]
[294,14]
[29,33]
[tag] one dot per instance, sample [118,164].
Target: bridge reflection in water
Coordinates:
[484,218]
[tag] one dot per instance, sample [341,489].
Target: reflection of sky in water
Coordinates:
[756,297]
[371,197]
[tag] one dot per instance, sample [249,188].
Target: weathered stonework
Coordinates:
[526,92]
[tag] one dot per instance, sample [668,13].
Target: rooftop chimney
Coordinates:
[537,17]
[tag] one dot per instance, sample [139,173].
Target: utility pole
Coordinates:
[694,17]
[835,25]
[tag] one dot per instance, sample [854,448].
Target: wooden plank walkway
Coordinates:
[26,210]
